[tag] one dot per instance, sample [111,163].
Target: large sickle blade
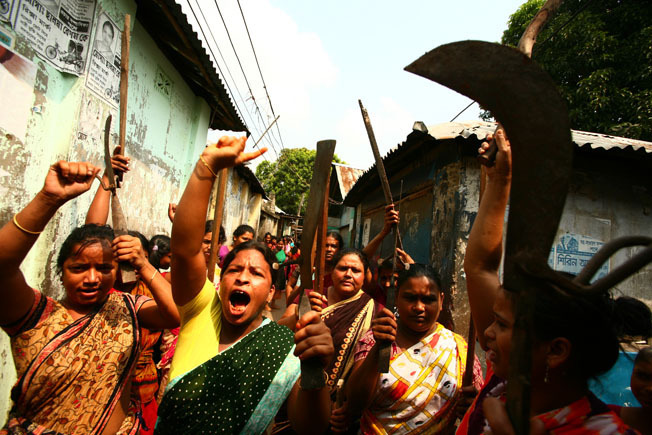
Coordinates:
[525,100]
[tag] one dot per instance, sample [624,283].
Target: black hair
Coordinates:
[592,322]
[644,355]
[108,25]
[267,234]
[418,271]
[387,264]
[270,258]
[242,229]
[208,228]
[352,251]
[337,236]
[159,247]
[635,317]
[84,236]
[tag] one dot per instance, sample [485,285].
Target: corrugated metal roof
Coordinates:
[346,177]
[168,26]
[479,130]
[582,139]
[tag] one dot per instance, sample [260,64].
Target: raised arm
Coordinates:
[98,212]
[484,250]
[391,218]
[161,313]
[188,263]
[63,182]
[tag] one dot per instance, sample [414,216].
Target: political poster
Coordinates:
[58,30]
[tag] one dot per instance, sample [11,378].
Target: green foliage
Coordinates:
[289,177]
[601,61]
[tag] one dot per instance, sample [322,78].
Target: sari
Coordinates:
[72,373]
[422,387]
[588,415]
[348,320]
[145,382]
[239,390]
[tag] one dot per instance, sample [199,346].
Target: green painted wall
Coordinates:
[165,134]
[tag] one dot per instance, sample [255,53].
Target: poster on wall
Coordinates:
[58,30]
[572,252]
[6,9]
[17,77]
[103,77]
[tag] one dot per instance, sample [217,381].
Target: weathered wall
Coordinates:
[165,134]
[611,198]
[241,205]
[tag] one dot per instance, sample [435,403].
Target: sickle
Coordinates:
[525,100]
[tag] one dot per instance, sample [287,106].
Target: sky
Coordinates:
[318,58]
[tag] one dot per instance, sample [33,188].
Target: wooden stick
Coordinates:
[124,85]
[217,222]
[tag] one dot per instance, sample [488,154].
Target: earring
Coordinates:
[546,379]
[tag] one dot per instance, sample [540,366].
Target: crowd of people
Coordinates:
[174,352]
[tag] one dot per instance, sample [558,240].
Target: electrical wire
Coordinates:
[260,72]
[228,34]
[201,29]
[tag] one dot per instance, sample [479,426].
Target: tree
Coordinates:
[289,177]
[601,61]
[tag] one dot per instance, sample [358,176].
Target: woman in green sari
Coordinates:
[232,369]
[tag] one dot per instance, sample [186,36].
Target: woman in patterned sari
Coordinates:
[232,370]
[74,358]
[422,387]
[574,331]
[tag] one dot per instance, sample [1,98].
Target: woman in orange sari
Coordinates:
[74,358]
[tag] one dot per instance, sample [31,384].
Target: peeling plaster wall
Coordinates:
[241,205]
[165,134]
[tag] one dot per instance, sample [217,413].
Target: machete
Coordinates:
[525,100]
[311,372]
[127,272]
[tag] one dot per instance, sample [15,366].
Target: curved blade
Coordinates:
[525,100]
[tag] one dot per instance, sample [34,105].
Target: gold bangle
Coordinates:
[25,230]
[152,278]
[201,158]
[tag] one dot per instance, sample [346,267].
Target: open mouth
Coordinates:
[239,301]
[89,290]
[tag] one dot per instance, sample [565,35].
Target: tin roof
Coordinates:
[169,27]
[581,139]
[346,178]
[478,131]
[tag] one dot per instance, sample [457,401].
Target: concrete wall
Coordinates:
[241,205]
[165,134]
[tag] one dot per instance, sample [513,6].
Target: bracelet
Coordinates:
[201,158]
[152,278]
[25,230]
